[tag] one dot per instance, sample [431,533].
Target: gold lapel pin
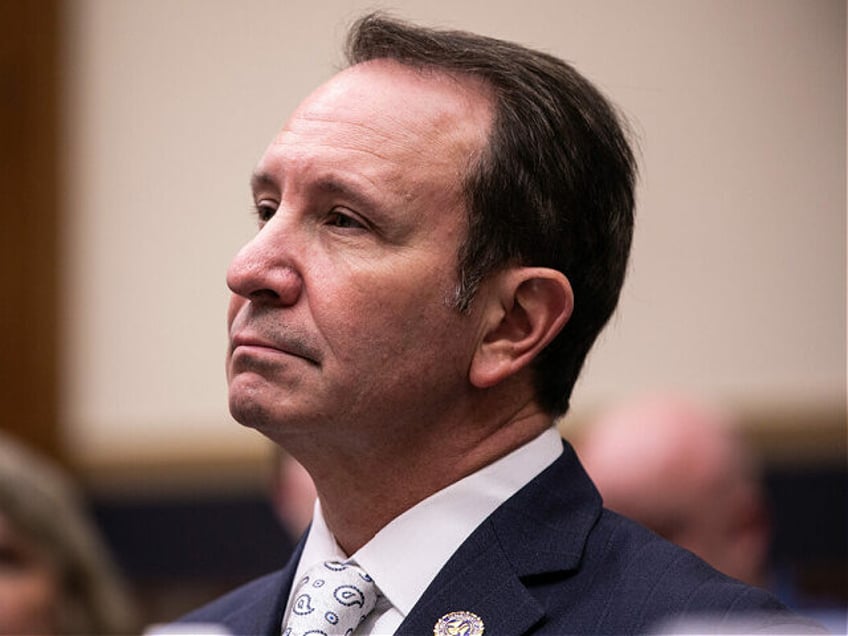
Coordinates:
[458,624]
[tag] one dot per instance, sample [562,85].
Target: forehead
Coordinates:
[405,95]
[392,116]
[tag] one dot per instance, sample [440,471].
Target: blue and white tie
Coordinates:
[333,598]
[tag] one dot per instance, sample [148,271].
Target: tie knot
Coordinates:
[332,598]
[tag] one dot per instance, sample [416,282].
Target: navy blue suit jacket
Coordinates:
[550,560]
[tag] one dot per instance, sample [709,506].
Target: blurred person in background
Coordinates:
[292,493]
[55,574]
[679,468]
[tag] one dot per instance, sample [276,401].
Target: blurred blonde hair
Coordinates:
[41,502]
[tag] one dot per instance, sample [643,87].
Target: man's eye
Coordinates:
[265,211]
[337,218]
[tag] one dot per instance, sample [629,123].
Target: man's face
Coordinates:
[29,584]
[341,313]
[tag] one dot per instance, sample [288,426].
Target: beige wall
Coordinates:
[737,289]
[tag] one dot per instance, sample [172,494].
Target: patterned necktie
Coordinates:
[332,598]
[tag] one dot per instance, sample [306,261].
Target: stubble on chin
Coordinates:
[246,386]
[252,413]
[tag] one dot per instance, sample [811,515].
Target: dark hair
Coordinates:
[554,187]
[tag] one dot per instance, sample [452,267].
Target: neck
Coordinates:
[363,488]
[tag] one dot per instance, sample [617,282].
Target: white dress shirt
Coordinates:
[405,556]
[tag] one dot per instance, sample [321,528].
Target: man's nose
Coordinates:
[263,272]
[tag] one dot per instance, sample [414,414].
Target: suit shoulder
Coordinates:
[645,562]
[655,579]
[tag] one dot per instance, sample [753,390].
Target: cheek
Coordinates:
[394,325]
[28,602]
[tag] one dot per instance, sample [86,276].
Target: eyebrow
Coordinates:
[261,180]
[326,185]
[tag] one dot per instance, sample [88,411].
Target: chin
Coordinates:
[262,415]
[249,411]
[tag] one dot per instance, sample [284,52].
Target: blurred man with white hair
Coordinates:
[681,469]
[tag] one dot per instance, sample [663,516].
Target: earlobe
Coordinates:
[529,306]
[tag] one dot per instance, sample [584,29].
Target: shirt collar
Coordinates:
[438,525]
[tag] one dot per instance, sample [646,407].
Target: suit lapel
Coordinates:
[541,529]
[477,579]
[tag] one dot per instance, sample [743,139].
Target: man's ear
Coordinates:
[526,309]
